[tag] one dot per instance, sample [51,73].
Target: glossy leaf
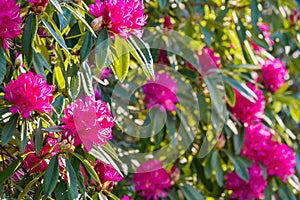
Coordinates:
[86,46]
[2,64]
[51,176]
[38,137]
[9,129]
[190,193]
[72,180]
[9,170]
[101,48]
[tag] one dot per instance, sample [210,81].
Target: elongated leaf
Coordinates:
[190,193]
[215,162]
[162,3]
[28,186]
[240,167]
[51,176]
[55,3]
[238,141]
[23,136]
[207,36]
[230,95]
[86,46]
[9,129]
[54,129]
[29,33]
[72,180]
[243,89]
[38,138]
[38,65]
[9,170]
[86,78]
[57,37]
[2,65]
[101,48]
[88,166]
[144,53]
[78,16]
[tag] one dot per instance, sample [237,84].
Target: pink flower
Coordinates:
[105,73]
[89,122]
[265,30]
[28,93]
[246,111]
[107,174]
[160,92]
[273,73]
[39,161]
[208,61]
[278,159]
[246,190]
[10,21]
[119,16]
[152,180]
[167,23]
[125,198]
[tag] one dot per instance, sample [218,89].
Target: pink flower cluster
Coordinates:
[265,30]
[278,159]
[273,73]
[160,92]
[28,93]
[10,21]
[253,189]
[208,60]
[119,16]
[34,163]
[246,111]
[152,180]
[107,174]
[88,121]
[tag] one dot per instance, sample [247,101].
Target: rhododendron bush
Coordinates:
[132,99]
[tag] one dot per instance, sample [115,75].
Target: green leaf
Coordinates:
[241,31]
[78,16]
[144,54]
[74,86]
[30,29]
[204,115]
[56,35]
[208,166]
[61,191]
[242,88]
[255,14]
[72,180]
[23,135]
[88,166]
[216,164]
[101,48]
[238,141]
[86,77]
[86,46]
[162,3]
[58,106]
[222,14]
[2,64]
[121,61]
[190,193]
[9,170]
[240,167]
[9,129]
[38,66]
[268,191]
[55,3]
[172,195]
[51,176]
[29,186]
[230,95]
[207,36]
[38,137]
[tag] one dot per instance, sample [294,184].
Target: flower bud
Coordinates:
[65,140]
[38,6]
[294,17]
[220,142]
[97,23]
[175,174]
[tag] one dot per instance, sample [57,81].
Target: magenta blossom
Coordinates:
[89,121]
[273,73]
[247,111]
[152,180]
[265,30]
[259,147]
[38,163]
[28,93]
[119,16]
[160,92]
[167,23]
[246,190]
[10,21]
[105,73]
[107,174]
